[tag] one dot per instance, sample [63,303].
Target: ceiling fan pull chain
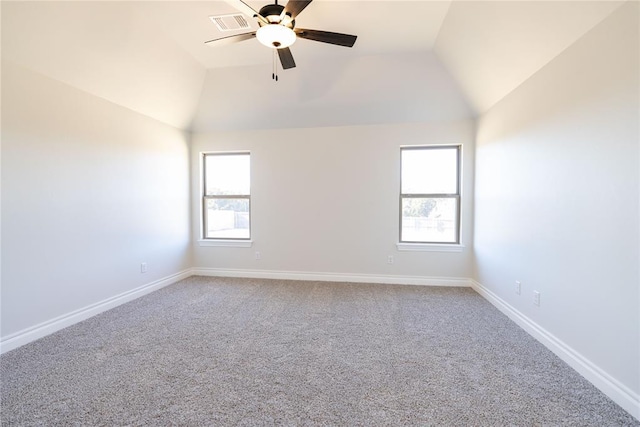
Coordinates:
[275,65]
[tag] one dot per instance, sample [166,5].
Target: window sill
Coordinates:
[226,243]
[430,247]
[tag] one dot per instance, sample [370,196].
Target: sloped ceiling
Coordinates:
[492,47]
[150,56]
[107,49]
[372,89]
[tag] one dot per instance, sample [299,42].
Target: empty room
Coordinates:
[320,212]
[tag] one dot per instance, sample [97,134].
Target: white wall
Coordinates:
[326,199]
[556,198]
[89,191]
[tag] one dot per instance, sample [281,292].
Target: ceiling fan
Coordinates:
[277,29]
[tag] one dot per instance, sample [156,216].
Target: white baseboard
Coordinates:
[28,335]
[334,277]
[616,391]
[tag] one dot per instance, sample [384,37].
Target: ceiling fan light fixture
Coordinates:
[276,36]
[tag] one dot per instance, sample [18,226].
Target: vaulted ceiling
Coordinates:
[413,60]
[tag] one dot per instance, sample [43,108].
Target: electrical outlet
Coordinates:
[258,255]
[143,267]
[536,298]
[390,259]
[518,288]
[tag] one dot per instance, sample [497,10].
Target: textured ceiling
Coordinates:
[150,56]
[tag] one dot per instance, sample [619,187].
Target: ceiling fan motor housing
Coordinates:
[272,12]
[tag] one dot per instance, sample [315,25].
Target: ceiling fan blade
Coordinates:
[339,39]
[247,10]
[286,58]
[294,7]
[231,39]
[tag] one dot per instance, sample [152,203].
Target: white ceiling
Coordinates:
[492,47]
[345,91]
[150,56]
[416,27]
[107,49]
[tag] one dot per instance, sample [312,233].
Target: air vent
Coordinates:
[233,22]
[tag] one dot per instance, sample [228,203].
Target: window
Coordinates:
[226,198]
[430,194]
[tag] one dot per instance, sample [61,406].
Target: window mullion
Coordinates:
[227,196]
[430,196]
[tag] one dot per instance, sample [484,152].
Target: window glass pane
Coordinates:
[430,171]
[429,220]
[227,174]
[227,218]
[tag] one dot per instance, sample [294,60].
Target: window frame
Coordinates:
[205,197]
[407,244]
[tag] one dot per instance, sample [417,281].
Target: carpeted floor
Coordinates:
[219,351]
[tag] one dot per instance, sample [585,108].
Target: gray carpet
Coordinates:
[218,351]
